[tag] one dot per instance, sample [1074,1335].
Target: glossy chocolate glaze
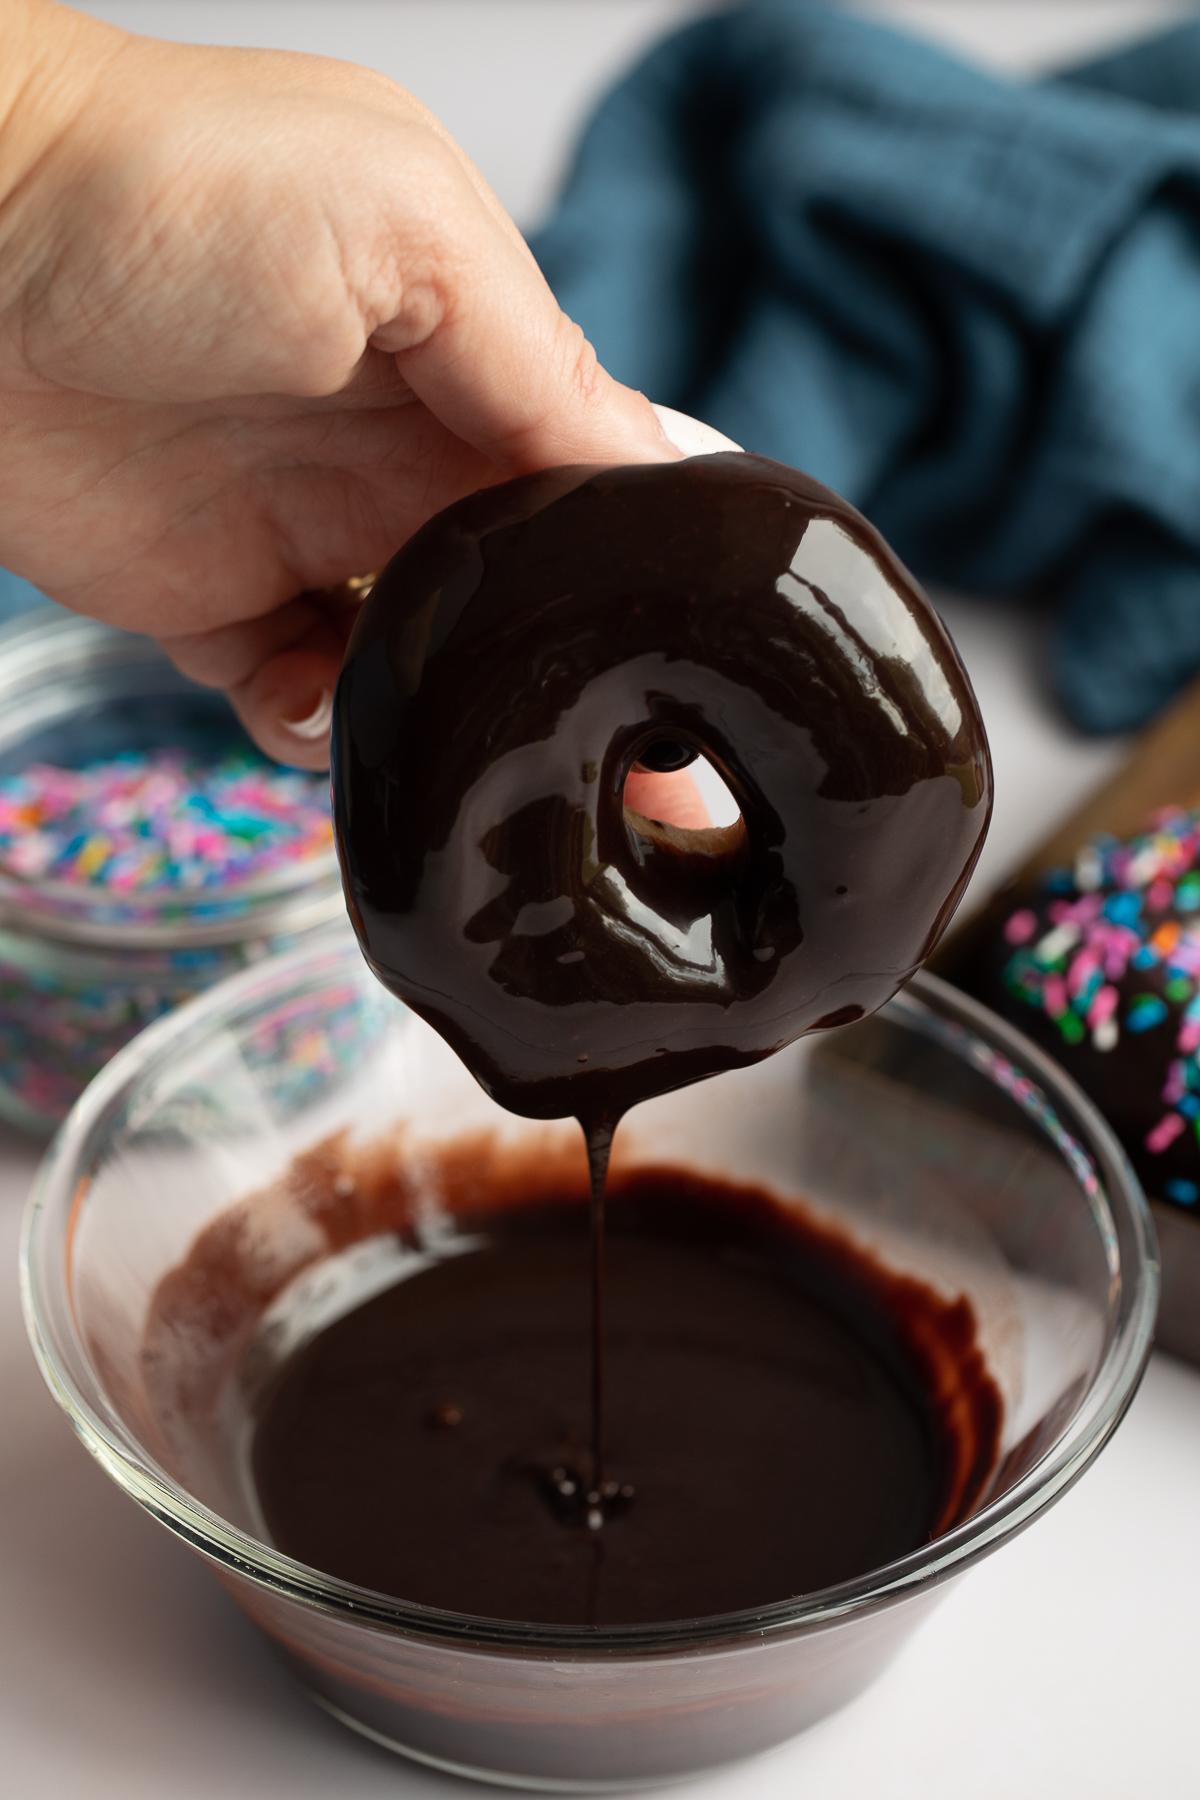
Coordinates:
[516,659]
[786,1413]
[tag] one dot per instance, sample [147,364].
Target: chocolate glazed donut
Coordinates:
[535,641]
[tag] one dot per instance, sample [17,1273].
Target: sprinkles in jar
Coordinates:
[147,850]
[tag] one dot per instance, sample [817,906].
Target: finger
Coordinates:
[671,799]
[482,341]
[287,707]
[228,655]
[279,671]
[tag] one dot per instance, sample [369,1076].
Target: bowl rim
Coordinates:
[1104,1404]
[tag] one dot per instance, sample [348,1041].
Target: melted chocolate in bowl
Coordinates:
[785,1413]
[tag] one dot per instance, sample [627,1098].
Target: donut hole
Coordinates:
[676,796]
[716,794]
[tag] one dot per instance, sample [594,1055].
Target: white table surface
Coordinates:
[1064,1667]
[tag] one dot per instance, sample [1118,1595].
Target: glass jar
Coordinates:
[83,968]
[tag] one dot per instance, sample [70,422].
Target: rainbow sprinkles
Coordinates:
[1124,909]
[160,819]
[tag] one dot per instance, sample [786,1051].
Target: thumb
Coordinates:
[481,340]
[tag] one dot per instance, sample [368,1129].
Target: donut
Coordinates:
[1100,964]
[536,642]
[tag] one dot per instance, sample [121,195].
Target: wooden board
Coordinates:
[1163,769]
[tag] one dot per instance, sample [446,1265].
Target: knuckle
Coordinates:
[587,379]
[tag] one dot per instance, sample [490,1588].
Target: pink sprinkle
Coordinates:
[1104,1005]
[1189,1036]
[1120,947]
[1176,1086]
[1186,955]
[1159,895]
[1164,1133]
[1021,926]
[1054,996]
[1079,971]
[1072,912]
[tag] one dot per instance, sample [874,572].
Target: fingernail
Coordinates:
[689,436]
[316,723]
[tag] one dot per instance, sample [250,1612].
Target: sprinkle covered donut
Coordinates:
[1101,966]
[535,643]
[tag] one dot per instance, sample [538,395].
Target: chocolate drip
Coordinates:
[517,659]
[599,1147]
[790,1413]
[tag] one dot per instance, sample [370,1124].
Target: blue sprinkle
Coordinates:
[1146,1012]
[1189,1106]
[1185,1192]
[1144,958]
[1123,909]
[1059,881]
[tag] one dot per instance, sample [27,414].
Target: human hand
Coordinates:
[260,318]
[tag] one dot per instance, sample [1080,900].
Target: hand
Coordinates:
[260,318]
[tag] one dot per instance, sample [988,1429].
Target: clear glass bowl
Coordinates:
[84,968]
[934,1133]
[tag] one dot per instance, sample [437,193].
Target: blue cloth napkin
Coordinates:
[17,596]
[970,305]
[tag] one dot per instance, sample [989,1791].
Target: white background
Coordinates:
[1064,1667]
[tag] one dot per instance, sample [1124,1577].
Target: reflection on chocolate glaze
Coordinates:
[532,644]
